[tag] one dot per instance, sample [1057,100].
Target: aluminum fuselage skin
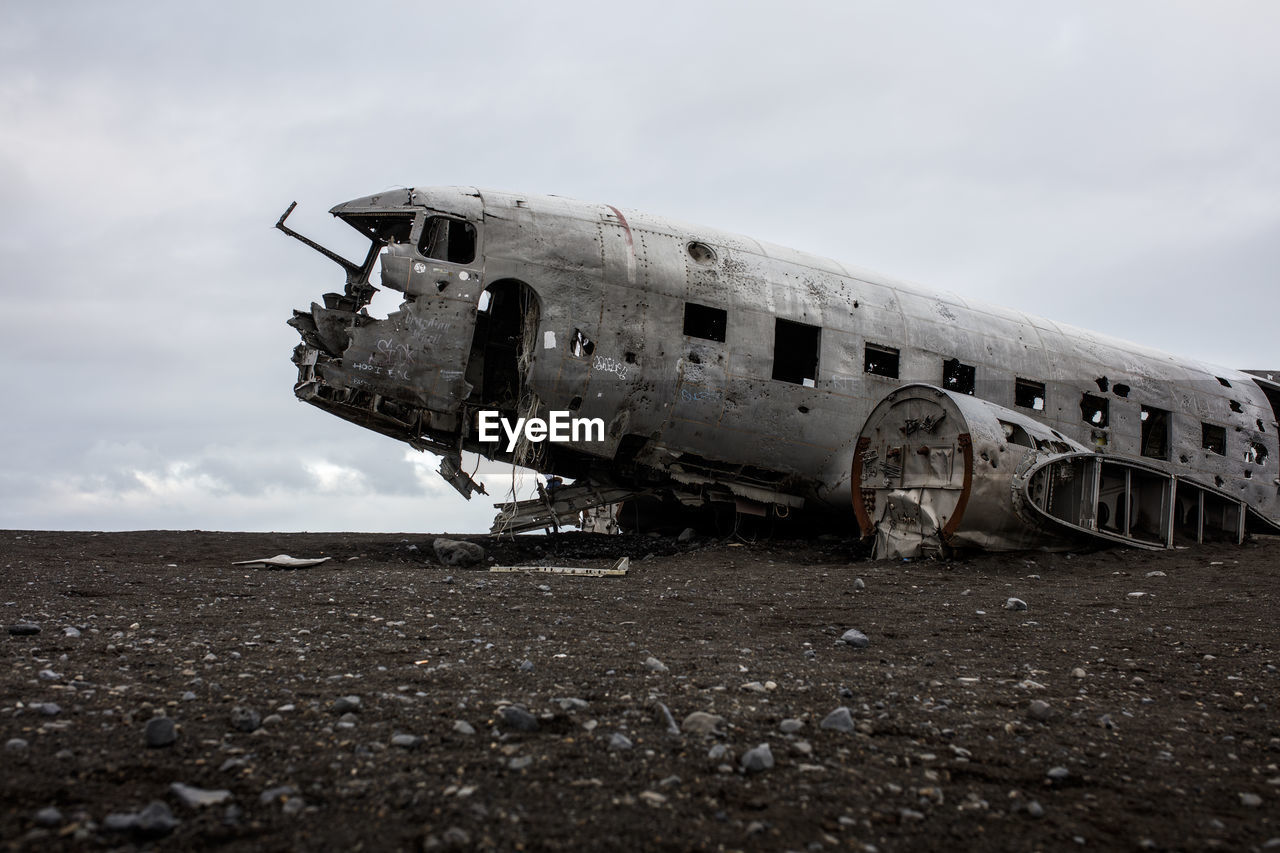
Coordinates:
[621,279]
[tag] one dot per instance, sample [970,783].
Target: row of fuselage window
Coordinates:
[796,347]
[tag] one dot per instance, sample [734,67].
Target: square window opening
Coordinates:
[1155,433]
[961,378]
[881,361]
[703,321]
[795,352]
[1028,394]
[447,239]
[1095,410]
[1213,438]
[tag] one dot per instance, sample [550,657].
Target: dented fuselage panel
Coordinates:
[729,370]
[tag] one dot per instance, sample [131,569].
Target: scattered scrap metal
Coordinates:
[282,561]
[619,568]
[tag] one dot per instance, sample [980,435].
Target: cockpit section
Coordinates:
[402,374]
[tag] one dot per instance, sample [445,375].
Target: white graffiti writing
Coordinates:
[612,365]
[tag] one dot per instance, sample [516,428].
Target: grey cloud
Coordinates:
[1107,165]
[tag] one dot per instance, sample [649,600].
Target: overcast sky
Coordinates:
[1113,165]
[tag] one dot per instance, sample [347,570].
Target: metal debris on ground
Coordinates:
[619,568]
[282,561]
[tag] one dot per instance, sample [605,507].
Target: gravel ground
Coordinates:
[706,700]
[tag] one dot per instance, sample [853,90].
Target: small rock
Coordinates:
[405,741]
[24,629]
[1015,604]
[50,675]
[527,666]
[1035,809]
[244,719]
[1039,710]
[462,727]
[120,822]
[791,726]
[515,717]
[701,723]
[840,720]
[652,798]
[1106,722]
[71,632]
[619,742]
[160,731]
[276,794]
[453,552]
[1078,672]
[198,797]
[654,665]
[48,709]
[189,697]
[758,759]
[1058,774]
[521,762]
[48,817]
[156,820]
[1156,574]
[346,705]
[663,715]
[1250,800]
[855,638]
[859,583]
[457,836]
[686,534]
[720,752]
[293,805]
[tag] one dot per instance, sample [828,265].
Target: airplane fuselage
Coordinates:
[724,367]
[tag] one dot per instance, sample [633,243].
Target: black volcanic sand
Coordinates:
[1161,726]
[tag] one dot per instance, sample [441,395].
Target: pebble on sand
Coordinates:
[840,720]
[758,759]
[515,717]
[195,798]
[244,719]
[701,723]
[160,731]
[855,638]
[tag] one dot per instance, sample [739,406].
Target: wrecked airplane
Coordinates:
[742,379]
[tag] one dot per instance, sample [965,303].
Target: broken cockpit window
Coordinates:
[382,227]
[447,239]
[880,361]
[1028,394]
[1094,410]
[795,352]
[958,377]
[702,321]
